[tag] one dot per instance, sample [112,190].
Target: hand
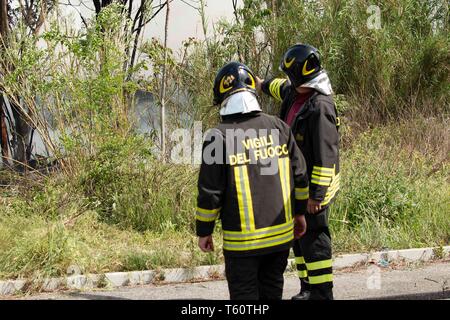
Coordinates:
[299,226]
[206,243]
[259,82]
[313,206]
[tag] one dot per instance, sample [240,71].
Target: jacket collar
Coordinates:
[240,116]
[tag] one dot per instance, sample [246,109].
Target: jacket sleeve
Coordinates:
[298,164]
[211,186]
[276,88]
[325,145]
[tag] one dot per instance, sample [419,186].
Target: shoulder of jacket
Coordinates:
[217,131]
[321,103]
[264,115]
[276,121]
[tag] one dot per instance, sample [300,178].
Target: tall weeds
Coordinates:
[112,205]
[397,69]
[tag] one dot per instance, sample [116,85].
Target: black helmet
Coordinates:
[301,63]
[233,77]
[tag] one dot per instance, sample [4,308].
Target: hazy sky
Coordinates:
[184,21]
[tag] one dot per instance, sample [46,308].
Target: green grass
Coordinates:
[112,216]
[34,248]
[395,194]
[395,190]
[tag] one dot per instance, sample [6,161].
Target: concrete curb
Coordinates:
[165,276]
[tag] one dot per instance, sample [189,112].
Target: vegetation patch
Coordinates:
[107,201]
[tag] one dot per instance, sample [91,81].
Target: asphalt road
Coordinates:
[425,282]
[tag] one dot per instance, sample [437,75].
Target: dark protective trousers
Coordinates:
[256,277]
[313,256]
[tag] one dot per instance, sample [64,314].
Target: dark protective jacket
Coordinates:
[253,178]
[316,132]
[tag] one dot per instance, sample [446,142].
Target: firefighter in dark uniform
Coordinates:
[253,178]
[308,107]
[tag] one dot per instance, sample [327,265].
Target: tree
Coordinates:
[139,13]
[32,15]
[3,36]
[139,18]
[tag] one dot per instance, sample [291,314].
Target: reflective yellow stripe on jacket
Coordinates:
[244,198]
[302,193]
[207,215]
[275,88]
[258,233]
[260,243]
[332,190]
[285,179]
[324,176]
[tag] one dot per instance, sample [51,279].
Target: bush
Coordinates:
[394,189]
[138,191]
